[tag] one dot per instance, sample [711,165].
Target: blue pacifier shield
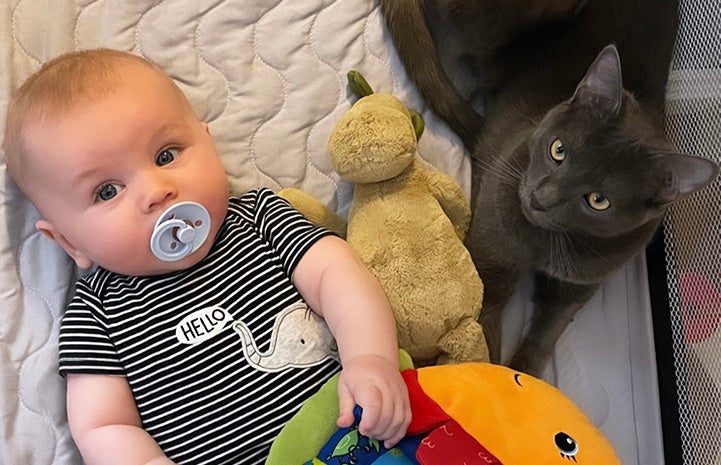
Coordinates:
[180,231]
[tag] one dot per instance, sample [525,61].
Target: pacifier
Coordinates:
[180,231]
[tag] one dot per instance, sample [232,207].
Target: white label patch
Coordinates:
[201,325]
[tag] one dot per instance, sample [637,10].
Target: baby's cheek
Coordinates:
[124,249]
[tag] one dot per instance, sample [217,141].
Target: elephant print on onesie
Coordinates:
[300,338]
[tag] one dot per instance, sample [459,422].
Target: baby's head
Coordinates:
[103,142]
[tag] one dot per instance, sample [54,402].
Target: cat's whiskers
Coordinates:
[515,166]
[502,171]
[563,254]
[570,253]
[589,247]
[556,253]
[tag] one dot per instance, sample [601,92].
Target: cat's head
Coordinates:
[599,166]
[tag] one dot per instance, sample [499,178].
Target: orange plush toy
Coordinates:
[470,413]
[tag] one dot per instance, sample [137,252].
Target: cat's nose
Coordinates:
[536,205]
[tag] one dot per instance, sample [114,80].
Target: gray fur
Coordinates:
[549,73]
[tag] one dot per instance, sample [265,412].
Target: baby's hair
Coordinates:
[56,88]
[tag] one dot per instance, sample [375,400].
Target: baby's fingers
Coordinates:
[392,426]
[398,427]
[371,401]
[386,420]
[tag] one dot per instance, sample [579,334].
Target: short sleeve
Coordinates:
[85,346]
[285,228]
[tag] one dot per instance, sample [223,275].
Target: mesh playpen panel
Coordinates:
[692,241]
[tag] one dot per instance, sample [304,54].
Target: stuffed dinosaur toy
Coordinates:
[407,223]
[468,413]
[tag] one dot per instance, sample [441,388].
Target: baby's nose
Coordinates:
[158,191]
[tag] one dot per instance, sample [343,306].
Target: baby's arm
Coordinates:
[105,423]
[336,284]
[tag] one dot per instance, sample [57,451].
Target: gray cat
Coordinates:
[571,170]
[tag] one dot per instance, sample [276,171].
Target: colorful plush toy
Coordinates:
[407,223]
[469,413]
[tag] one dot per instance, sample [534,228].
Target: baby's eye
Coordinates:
[107,191]
[166,156]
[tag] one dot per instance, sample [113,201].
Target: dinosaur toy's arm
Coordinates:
[452,200]
[315,211]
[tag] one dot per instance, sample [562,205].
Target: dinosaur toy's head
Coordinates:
[373,141]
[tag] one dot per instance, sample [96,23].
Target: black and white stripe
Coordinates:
[204,403]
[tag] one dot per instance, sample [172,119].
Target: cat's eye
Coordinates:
[597,201]
[558,151]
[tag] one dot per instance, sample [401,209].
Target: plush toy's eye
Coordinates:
[557,151]
[566,445]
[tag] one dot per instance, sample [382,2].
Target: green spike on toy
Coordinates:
[358,84]
[418,124]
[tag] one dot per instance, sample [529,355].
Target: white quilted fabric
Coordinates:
[269,77]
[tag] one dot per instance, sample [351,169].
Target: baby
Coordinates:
[209,318]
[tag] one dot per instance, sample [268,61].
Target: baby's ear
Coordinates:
[49,230]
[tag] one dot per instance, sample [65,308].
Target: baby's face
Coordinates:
[104,172]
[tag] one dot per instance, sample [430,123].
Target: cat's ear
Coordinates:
[601,90]
[682,175]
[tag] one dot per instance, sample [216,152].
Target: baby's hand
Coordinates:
[375,384]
